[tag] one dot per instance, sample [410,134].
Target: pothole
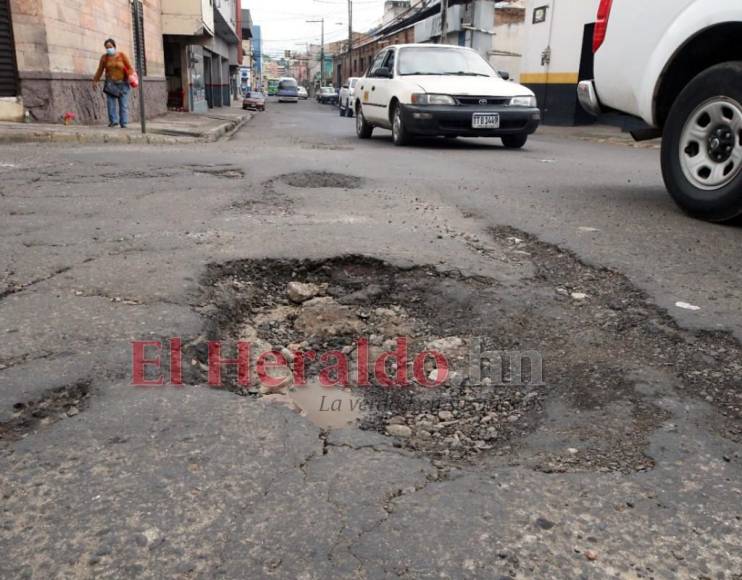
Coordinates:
[568,350]
[321,179]
[54,406]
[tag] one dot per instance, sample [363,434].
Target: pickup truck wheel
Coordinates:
[363,129]
[702,145]
[400,135]
[515,141]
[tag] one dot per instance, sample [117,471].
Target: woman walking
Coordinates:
[117,67]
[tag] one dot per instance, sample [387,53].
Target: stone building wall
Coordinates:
[59,44]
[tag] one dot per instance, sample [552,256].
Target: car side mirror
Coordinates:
[504,75]
[383,73]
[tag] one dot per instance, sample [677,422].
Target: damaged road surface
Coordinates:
[473,362]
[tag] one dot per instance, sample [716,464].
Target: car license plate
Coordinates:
[485,121]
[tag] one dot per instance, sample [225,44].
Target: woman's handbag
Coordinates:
[133,79]
[112,90]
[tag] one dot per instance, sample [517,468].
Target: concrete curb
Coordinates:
[155,136]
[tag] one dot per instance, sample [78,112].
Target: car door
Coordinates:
[384,88]
[373,108]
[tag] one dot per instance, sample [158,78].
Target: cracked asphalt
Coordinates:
[102,245]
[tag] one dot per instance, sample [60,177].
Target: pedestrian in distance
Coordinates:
[118,69]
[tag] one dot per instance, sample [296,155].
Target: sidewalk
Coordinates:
[598,134]
[169,128]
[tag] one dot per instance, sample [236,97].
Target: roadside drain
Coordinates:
[320,179]
[56,405]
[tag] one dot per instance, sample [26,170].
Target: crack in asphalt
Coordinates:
[20,288]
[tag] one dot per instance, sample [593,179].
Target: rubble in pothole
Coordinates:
[360,307]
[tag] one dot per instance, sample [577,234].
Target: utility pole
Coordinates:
[321,52]
[444,21]
[349,71]
[139,60]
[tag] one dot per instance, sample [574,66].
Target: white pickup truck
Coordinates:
[677,64]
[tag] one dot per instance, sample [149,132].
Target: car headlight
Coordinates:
[428,99]
[525,101]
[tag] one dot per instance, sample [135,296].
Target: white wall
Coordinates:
[509,39]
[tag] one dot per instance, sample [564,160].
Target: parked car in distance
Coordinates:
[327,95]
[288,91]
[680,70]
[254,101]
[345,97]
[303,94]
[442,90]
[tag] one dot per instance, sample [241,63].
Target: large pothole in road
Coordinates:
[321,179]
[575,360]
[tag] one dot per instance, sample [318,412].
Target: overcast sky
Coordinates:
[284,27]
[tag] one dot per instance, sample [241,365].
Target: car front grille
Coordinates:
[481,101]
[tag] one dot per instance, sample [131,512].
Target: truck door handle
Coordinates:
[373,88]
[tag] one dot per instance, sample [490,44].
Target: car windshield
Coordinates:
[442,61]
[328,90]
[288,84]
[353,83]
[256,95]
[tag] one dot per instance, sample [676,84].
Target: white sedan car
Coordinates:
[441,90]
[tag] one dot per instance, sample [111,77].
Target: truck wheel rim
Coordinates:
[359,121]
[711,144]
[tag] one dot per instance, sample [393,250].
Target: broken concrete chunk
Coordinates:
[299,292]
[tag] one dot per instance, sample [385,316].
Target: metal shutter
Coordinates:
[8,69]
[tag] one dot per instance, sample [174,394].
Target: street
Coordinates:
[625,460]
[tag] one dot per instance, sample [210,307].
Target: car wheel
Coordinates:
[349,111]
[400,135]
[342,111]
[363,129]
[515,141]
[702,145]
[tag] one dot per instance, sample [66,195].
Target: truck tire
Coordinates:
[702,145]
[363,129]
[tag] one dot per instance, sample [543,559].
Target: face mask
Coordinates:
[110,51]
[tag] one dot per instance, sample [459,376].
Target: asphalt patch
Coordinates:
[321,179]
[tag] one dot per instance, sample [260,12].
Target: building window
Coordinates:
[137,19]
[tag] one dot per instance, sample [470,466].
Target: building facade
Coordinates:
[257,57]
[56,48]
[246,78]
[203,53]
[509,39]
